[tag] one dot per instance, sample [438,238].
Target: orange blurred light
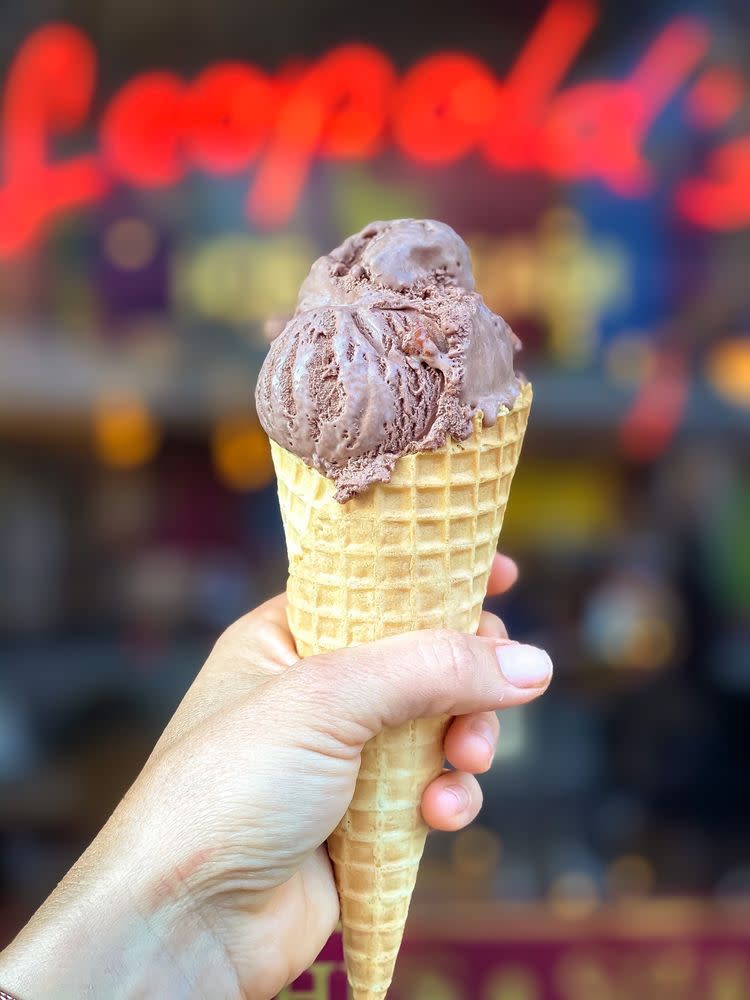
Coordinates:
[125,435]
[652,643]
[729,370]
[241,454]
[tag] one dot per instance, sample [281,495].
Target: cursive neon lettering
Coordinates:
[349,105]
[48,90]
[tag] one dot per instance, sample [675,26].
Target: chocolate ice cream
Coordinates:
[390,350]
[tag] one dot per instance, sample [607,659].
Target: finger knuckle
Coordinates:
[312,682]
[312,678]
[236,633]
[453,652]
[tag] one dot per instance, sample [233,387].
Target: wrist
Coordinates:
[114,934]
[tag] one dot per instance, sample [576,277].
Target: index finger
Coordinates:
[275,634]
[503,574]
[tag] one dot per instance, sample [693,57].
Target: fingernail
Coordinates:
[524,666]
[459,795]
[482,729]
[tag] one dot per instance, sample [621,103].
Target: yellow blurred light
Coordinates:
[240,279]
[559,504]
[584,976]
[562,223]
[241,454]
[630,359]
[673,972]
[125,434]
[630,876]
[431,985]
[511,983]
[476,852]
[559,276]
[729,370]
[357,198]
[730,975]
[573,895]
[130,243]
[507,273]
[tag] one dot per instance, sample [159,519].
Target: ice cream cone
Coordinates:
[409,554]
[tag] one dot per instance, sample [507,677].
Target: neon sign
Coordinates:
[350,105]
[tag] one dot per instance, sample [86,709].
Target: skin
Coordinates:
[211,878]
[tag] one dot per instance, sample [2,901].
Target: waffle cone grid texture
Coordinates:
[410,554]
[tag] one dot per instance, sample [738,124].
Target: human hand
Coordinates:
[212,878]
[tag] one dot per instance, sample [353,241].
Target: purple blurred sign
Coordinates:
[669,951]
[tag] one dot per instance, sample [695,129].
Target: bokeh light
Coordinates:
[559,275]
[573,895]
[242,279]
[476,852]
[125,433]
[426,984]
[728,370]
[512,983]
[632,622]
[241,454]
[559,505]
[582,975]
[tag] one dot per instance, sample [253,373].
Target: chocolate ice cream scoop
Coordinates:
[389,351]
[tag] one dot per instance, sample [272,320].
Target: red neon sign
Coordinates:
[48,90]
[350,104]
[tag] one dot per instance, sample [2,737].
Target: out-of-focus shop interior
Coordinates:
[168,172]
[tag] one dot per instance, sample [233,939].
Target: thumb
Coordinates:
[354,693]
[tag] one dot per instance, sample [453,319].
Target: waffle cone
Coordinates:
[409,554]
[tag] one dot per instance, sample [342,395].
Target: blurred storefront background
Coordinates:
[167,175]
